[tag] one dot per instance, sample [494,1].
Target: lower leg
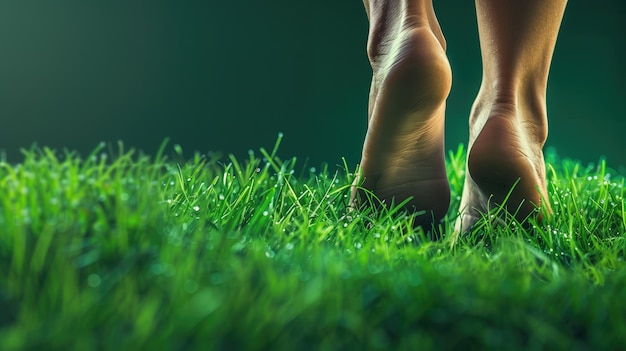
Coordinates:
[508,122]
[403,152]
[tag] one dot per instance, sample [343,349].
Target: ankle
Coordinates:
[526,109]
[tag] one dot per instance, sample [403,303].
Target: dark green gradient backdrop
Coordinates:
[229,75]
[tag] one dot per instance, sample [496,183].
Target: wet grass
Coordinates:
[122,251]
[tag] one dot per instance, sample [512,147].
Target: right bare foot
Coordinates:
[403,152]
[504,156]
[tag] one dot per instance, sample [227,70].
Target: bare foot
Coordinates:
[505,156]
[403,152]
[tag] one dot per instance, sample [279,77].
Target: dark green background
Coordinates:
[229,75]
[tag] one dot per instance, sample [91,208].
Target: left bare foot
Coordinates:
[403,152]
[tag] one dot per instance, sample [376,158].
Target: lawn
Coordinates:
[118,250]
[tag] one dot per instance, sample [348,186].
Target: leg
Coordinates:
[508,122]
[403,152]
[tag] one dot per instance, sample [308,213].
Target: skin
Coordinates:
[403,151]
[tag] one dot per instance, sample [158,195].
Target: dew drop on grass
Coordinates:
[269,253]
[304,276]
[265,213]
[168,270]
[175,240]
[93,280]
[196,208]
[156,269]
[414,280]
[99,227]
[289,246]
[191,286]
[313,169]
[25,212]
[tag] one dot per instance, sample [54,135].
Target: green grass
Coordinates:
[122,251]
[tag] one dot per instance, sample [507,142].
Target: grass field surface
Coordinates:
[118,250]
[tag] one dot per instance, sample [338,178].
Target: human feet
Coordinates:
[403,152]
[505,158]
